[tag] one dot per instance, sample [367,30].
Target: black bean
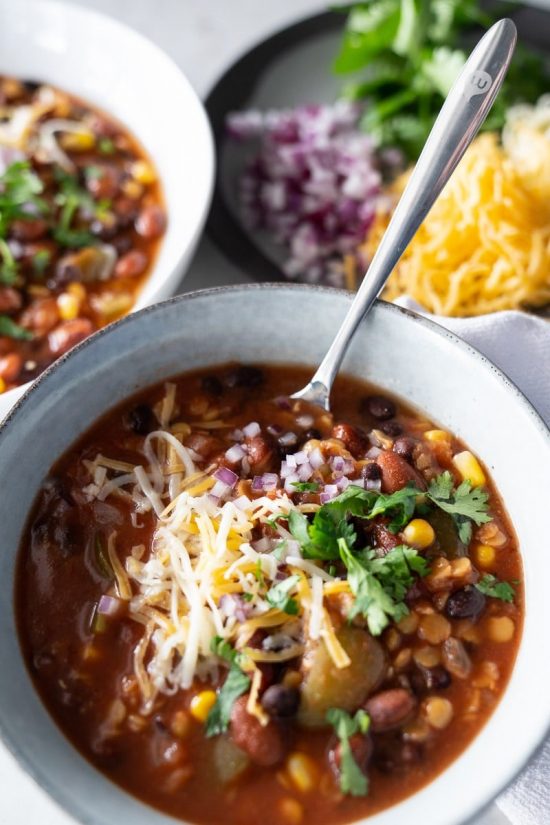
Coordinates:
[313,433]
[467,603]
[378,406]
[31,86]
[391,428]
[281,700]
[212,385]
[405,448]
[371,471]
[244,376]
[141,419]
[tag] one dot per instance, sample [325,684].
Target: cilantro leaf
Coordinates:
[236,683]
[489,585]
[465,504]
[305,486]
[8,266]
[41,261]
[352,779]
[12,330]
[278,596]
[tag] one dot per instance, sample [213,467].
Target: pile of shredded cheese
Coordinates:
[203,577]
[485,245]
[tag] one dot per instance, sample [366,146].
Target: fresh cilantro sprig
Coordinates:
[8,265]
[466,504]
[71,197]
[352,779]
[12,330]
[489,585]
[236,683]
[379,585]
[305,486]
[279,597]
[19,187]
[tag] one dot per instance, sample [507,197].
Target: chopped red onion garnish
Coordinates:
[235,454]
[263,545]
[236,435]
[373,453]
[234,605]
[305,421]
[226,475]
[283,402]
[305,471]
[288,439]
[243,502]
[246,465]
[274,429]
[373,484]
[109,605]
[290,481]
[220,490]
[316,458]
[252,430]
[270,481]
[286,470]
[301,457]
[343,483]
[258,484]
[330,492]
[291,461]
[314,184]
[337,463]
[293,548]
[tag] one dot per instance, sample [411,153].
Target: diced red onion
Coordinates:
[337,463]
[373,484]
[293,548]
[305,471]
[316,458]
[109,605]
[258,484]
[291,461]
[286,470]
[246,465]
[270,481]
[290,481]
[235,454]
[305,421]
[343,483]
[283,402]
[263,545]
[301,457]
[330,491]
[252,430]
[236,435]
[274,429]
[234,605]
[220,490]
[288,439]
[226,475]
[373,453]
[242,503]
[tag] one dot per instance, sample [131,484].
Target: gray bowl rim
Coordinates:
[54,788]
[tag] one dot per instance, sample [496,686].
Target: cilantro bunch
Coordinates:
[236,683]
[405,56]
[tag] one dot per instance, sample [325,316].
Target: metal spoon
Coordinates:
[458,122]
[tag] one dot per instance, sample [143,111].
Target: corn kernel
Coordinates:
[78,141]
[500,628]
[485,555]
[132,189]
[202,704]
[439,436]
[143,172]
[438,712]
[419,533]
[291,810]
[78,290]
[469,468]
[302,771]
[179,724]
[2,385]
[68,306]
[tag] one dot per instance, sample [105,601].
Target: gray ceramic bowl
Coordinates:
[396,349]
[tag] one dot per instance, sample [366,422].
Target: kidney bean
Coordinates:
[105,184]
[10,299]
[466,603]
[378,406]
[151,221]
[41,316]
[244,376]
[381,538]
[10,367]
[260,453]
[361,748]
[396,472]
[281,700]
[389,709]
[66,335]
[131,265]
[404,447]
[352,438]
[28,230]
[264,744]
[142,419]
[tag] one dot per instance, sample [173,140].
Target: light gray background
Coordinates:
[203,37]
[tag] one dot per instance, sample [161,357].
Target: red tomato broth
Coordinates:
[80,674]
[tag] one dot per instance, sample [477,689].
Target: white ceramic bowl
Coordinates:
[120,71]
[394,348]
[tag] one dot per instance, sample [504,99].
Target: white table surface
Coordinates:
[203,37]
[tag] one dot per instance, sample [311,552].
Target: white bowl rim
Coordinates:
[520,761]
[204,207]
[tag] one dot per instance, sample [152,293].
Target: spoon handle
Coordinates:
[458,122]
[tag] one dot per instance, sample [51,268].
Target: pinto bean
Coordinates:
[151,221]
[390,709]
[10,299]
[28,230]
[66,335]
[396,472]
[260,453]
[131,265]
[353,439]
[41,316]
[264,744]
[10,367]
